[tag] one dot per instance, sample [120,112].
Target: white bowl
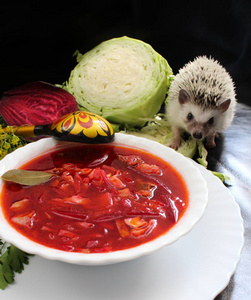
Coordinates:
[196,185]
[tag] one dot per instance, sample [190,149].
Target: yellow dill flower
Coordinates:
[9,141]
[3,135]
[4,153]
[14,140]
[6,145]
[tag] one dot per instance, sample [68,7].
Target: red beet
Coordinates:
[36,103]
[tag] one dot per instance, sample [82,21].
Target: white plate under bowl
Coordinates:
[196,185]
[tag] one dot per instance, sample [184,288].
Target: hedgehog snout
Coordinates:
[197,135]
[197,130]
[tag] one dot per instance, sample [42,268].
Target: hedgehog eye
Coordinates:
[210,121]
[189,116]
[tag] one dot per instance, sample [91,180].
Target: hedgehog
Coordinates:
[201,101]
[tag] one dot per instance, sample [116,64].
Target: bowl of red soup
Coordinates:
[103,203]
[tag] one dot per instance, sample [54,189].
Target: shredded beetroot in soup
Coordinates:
[102,199]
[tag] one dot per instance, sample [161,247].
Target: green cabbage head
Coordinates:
[123,79]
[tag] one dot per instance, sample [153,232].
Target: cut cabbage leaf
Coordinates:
[159,130]
[123,79]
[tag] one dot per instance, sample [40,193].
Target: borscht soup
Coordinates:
[103,198]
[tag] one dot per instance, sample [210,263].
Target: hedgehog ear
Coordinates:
[224,105]
[183,96]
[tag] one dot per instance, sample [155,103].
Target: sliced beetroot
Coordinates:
[36,103]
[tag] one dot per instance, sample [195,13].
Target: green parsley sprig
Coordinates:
[12,261]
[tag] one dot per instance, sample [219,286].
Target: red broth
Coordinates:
[104,198]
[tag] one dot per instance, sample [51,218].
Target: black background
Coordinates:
[38,38]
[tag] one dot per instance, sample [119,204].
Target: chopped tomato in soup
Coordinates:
[102,199]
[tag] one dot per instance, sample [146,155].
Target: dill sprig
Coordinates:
[9,141]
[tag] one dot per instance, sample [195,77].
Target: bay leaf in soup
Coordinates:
[25,177]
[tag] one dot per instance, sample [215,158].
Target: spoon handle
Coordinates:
[31,130]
